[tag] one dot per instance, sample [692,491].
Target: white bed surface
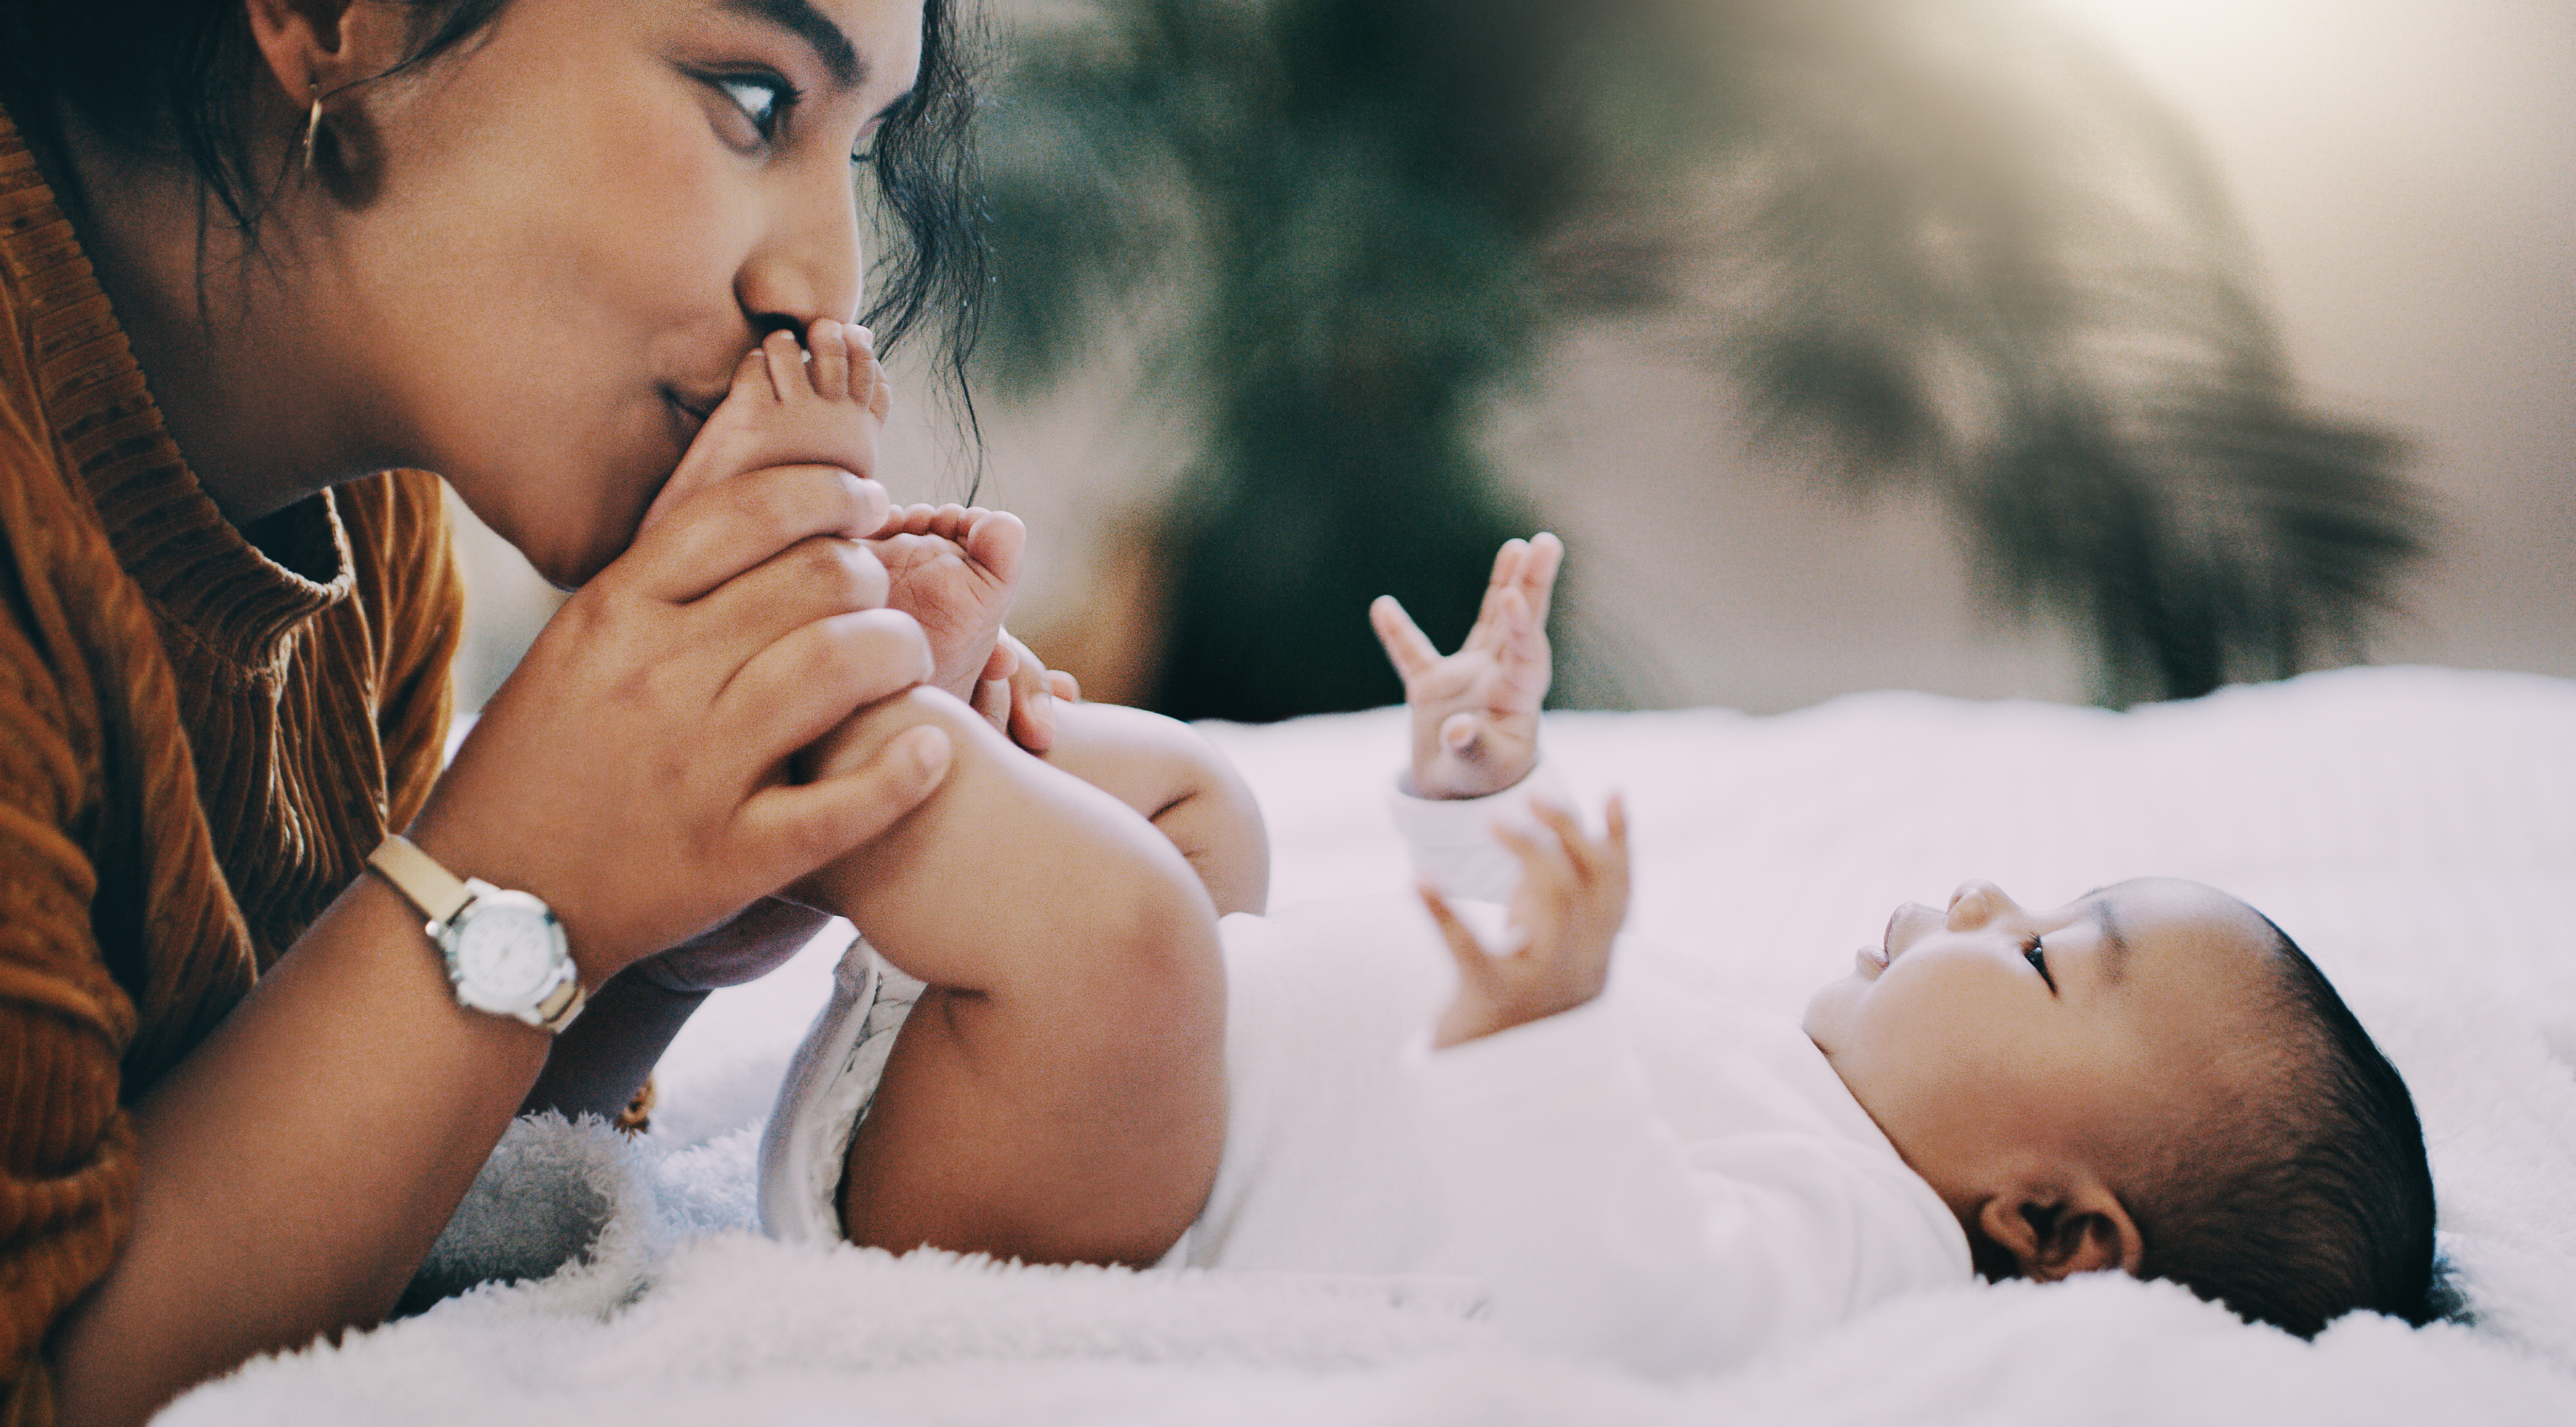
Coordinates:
[2415,830]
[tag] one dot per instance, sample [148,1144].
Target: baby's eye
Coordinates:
[2037,956]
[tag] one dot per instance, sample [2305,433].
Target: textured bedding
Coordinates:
[2414,830]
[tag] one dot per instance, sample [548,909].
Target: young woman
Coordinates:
[262,264]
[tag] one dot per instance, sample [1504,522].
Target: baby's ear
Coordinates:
[2053,1228]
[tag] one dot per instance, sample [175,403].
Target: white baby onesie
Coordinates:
[1654,1179]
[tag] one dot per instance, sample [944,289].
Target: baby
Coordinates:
[1049,1048]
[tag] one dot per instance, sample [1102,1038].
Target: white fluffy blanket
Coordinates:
[2415,830]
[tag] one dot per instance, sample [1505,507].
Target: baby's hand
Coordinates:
[954,569]
[1572,898]
[1475,713]
[819,404]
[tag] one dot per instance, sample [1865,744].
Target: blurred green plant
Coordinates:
[1956,246]
[1969,247]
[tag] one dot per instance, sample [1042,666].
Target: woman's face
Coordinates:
[575,225]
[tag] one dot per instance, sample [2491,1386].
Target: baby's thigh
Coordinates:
[1057,1127]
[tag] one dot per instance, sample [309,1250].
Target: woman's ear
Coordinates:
[317,46]
[2052,1228]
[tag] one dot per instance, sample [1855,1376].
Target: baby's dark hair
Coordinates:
[162,76]
[2324,1202]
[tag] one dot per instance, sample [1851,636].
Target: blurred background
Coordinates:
[2067,349]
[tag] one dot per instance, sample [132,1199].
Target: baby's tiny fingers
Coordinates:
[1407,647]
[1542,853]
[1538,573]
[1474,962]
[1459,732]
[1586,852]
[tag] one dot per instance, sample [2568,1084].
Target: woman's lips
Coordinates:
[1871,961]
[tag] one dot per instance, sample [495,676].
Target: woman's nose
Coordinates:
[810,264]
[1975,904]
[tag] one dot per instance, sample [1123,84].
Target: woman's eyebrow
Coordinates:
[801,19]
[2115,948]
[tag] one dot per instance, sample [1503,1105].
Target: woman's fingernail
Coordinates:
[866,338]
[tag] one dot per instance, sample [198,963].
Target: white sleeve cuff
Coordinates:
[1452,839]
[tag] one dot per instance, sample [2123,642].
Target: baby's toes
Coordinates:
[994,540]
[787,380]
[829,366]
[751,385]
[867,374]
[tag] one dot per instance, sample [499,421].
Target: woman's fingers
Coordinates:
[741,524]
[801,826]
[810,580]
[809,682]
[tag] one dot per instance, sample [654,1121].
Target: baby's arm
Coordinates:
[1058,1094]
[1170,773]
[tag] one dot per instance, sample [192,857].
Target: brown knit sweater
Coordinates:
[199,744]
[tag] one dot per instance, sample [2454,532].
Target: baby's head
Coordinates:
[2151,1078]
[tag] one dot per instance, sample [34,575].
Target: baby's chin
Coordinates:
[1829,1012]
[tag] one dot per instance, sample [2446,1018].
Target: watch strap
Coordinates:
[414,873]
[561,1005]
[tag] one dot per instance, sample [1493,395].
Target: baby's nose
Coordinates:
[1975,904]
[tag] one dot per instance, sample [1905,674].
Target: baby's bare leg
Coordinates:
[1058,1094]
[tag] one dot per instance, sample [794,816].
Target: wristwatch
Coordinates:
[505,952]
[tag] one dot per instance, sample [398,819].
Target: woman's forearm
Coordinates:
[296,1167]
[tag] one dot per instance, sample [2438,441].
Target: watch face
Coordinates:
[505,954]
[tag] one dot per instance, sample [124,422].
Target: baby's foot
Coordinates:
[820,404]
[954,569]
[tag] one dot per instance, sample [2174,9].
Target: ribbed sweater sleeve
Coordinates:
[67,1154]
[200,741]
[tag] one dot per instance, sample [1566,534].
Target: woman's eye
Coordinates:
[2037,956]
[760,101]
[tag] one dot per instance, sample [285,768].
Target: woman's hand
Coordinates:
[633,771]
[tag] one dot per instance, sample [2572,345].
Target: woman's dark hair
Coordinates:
[2325,1202]
[163,76]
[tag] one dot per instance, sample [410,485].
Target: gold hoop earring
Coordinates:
[313,128]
